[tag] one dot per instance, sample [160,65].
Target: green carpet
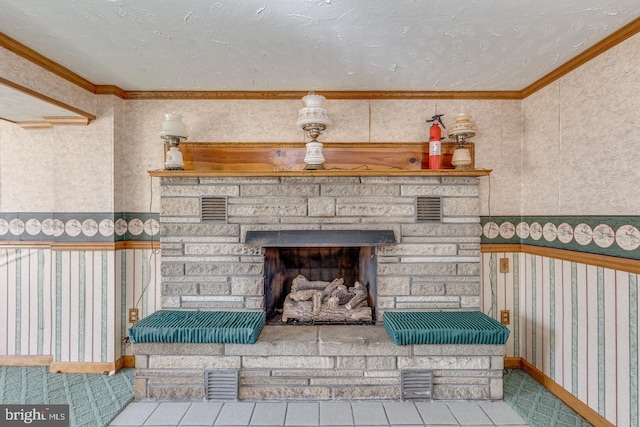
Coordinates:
[537,405]
[94,400]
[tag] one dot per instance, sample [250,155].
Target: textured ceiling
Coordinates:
[373,45]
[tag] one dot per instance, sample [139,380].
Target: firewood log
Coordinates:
[300,283]
[333,285]
[302,311]
[360,296]
[333,302]
[317,302]
[326,293]
[342,294]
[302,295]
[356,301]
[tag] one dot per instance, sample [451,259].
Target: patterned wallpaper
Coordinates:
[78,227]
[617,236]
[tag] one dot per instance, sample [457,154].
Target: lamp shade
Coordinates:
[313,113]
[172,126]
[462,127]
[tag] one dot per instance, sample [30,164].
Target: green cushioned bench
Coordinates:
[173,326]
[443,327]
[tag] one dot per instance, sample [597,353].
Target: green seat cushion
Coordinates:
[173,326]
[443,327]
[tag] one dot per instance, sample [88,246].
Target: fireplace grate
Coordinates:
[221,384]
[416,384]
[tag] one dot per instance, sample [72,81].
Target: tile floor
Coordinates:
[356,413]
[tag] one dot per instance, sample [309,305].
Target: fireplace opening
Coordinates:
[320,285]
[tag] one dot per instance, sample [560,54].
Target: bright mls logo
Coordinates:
[34,415]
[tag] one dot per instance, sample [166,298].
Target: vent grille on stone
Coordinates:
[416,384]
[221,384]
[428,209]
[213,208]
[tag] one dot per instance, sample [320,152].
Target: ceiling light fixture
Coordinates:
[460,131]
[313,119]
[173,132]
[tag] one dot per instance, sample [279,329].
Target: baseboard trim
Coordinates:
[70,367]
[26,360]
[83,367]
[557,390]
[513,363]
[128,362]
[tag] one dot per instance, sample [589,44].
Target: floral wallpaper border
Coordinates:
[79,226]
[617,236]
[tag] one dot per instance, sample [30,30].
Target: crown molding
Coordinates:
[44,62]
[110,90]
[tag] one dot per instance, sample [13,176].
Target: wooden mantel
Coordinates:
[220,173]
[287,159]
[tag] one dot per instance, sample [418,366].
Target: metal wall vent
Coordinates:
[221,384]
[428,209]
[213,208]
[416,384]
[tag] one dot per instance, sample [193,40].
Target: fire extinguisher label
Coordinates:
[435,148]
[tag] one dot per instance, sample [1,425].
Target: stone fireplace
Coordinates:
[431,260]
[234,242]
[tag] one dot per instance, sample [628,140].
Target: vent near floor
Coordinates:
[428,209]
[213,208]
[221,384]
[416,384]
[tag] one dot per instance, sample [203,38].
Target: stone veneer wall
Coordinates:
[206,265]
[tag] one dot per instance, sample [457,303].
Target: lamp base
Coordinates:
[461,158]
[174,159]
[314,158]
[173,168]
[313,167]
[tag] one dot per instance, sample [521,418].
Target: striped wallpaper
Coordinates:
[69,304]
[577,323]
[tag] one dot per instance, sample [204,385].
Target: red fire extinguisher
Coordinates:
[435,144]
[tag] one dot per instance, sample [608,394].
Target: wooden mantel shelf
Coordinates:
[287,159]
[327,172]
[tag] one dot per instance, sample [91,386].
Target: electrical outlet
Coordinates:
[134,315]
[504,265]
[505,317]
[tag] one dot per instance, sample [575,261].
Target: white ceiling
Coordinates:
[372,45]
[20,107]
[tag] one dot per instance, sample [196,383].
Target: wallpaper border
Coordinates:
[617,236]
[66,227]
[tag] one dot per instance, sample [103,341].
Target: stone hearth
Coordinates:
[320,363]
